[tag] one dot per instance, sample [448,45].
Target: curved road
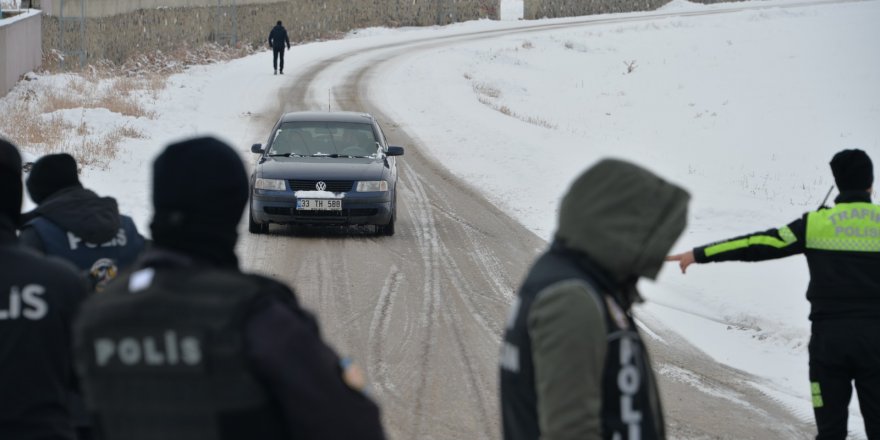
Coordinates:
[423,311]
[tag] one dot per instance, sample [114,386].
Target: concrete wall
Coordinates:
[117,29]
[534,9]
[20,48]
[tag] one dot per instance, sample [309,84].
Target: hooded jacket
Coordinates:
[78,225]
[562,357]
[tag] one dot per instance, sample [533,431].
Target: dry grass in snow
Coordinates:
[47,113]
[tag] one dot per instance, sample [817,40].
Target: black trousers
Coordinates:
[278,52]
[843,352]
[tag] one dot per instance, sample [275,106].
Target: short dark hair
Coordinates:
[279,23]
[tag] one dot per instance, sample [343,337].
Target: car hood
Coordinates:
[321,168]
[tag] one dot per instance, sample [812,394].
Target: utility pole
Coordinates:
[69,28]
[225,23]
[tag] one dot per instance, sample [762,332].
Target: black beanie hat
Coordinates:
[50,174]
[10,182]
[200,189]
[852,170]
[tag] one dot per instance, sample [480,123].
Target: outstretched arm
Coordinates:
[764,245]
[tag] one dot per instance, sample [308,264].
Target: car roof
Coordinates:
[340,116]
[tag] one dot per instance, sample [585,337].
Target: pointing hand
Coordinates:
[684,259]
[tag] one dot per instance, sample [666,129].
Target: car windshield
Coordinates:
[324,139]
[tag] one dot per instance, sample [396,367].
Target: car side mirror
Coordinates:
[257,149]
[394,151]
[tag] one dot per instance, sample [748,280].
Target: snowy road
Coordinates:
[424,310]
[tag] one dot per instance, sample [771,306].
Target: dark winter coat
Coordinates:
[278,38]
[279,372]
[78,225]
[38,299]
[570,337]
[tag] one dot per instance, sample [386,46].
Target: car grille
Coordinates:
[332,185]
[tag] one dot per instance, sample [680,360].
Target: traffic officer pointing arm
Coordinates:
[186,346]
[842,247]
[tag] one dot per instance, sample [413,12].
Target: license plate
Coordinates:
[318,205]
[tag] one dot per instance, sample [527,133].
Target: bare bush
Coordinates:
[131,132]
[25,126]
[124,105]
[487,90]
[630,66]
[60,99]
[505,110]
[528,45]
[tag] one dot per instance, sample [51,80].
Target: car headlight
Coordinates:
[273,184]
[372,186]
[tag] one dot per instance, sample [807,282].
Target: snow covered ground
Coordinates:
[743,109]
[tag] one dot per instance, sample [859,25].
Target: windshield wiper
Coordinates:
[285,155]
[337,155]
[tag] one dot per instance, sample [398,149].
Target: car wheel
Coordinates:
[386,230]
[254,227]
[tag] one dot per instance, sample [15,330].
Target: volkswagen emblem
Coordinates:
[320,186]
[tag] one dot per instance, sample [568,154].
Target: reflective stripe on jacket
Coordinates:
[842,246]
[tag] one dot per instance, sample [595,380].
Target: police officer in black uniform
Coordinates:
[187,346]
[74,223]
[573,365]
[38,299]
[842,246]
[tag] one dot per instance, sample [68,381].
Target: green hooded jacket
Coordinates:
[624,219]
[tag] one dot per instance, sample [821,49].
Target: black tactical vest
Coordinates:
[630,406]
[161,354]
[123,249]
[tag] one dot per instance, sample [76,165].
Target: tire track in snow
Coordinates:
[379,326]
[459,284]
[426,236]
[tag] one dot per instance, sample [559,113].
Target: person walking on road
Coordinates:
[186,346]
[842,247]
[277,40]
[573,365]
[74,223]
[39,296]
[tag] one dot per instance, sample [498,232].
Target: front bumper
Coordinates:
[369,208]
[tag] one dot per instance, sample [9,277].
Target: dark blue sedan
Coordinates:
[325,168]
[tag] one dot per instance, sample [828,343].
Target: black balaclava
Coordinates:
[10,185]
[200,189]
[853,170]
[50,174]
